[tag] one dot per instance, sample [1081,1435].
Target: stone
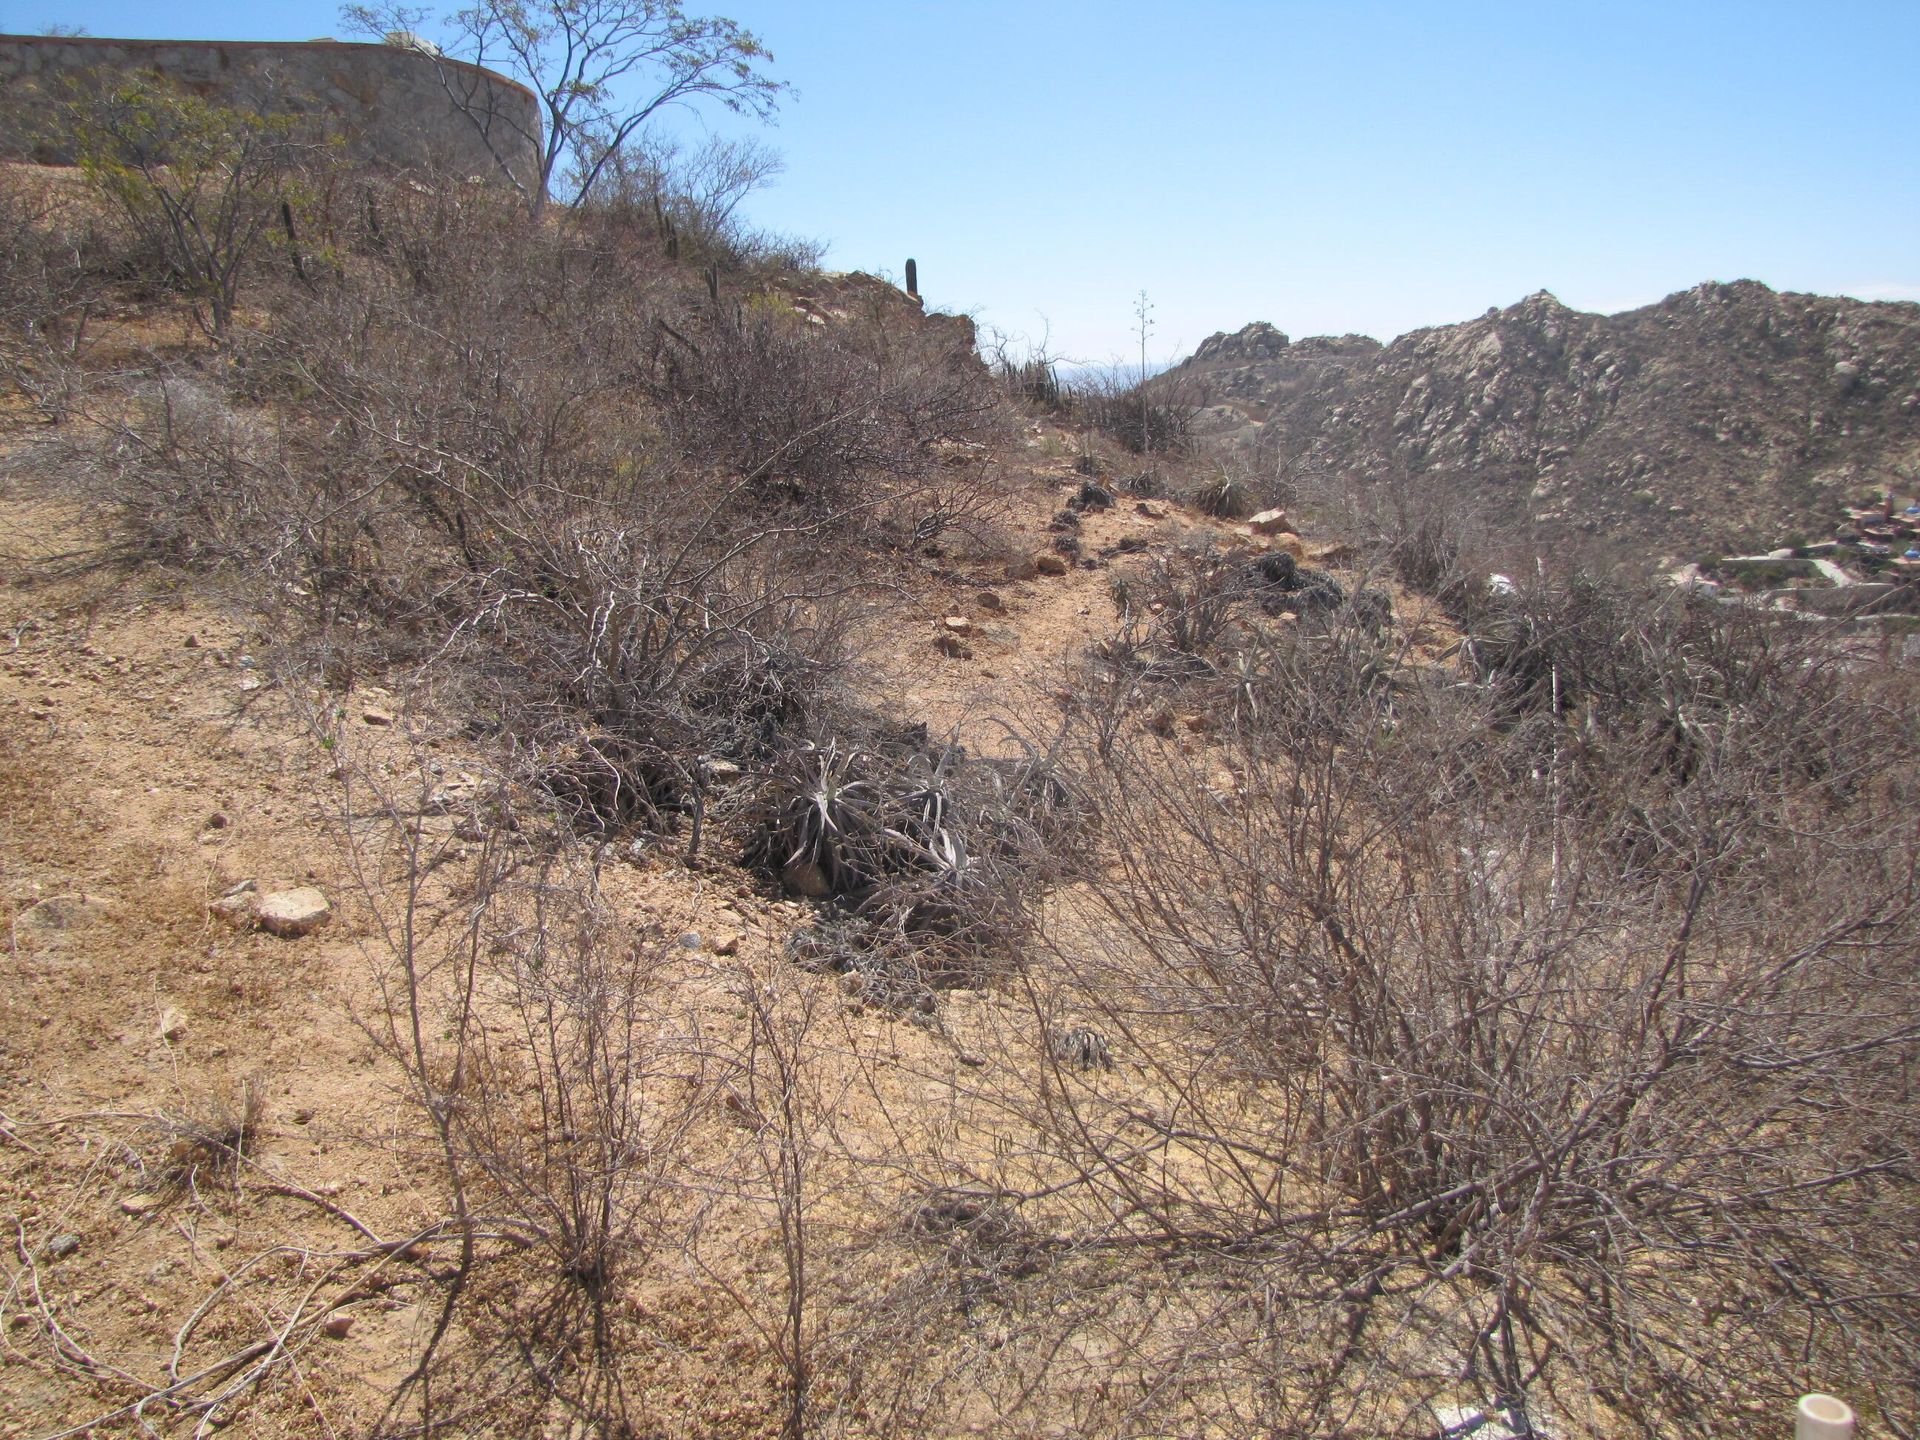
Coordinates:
[1337,553]
[953,646]
[1270,522]
[1048,563]
[720,771]
[957,625]
[988,600]
[292,913]
[727,944]
[691,940]
[1152,509]
[236,904]
[172,1025]
[61,1246]
[144,1203]
[379,718]
[1290,545]
[336,1326]
[52,920]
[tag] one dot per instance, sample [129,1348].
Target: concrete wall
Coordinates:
[397,106]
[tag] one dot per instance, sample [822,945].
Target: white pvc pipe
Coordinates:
[1821,1417]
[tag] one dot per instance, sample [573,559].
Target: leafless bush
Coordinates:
[554,1085]
[1451,1099]
[1155,418]
[48,291]
[687,202]
[853,423]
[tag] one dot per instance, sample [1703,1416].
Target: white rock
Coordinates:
[292,913]
[1270,522]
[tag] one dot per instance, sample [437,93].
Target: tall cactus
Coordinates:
[913,279]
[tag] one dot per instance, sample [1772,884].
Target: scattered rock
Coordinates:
[970,1060]
[988,600]
[691,940]
[727,944]
[61,1246]
[336,1326]
[1047,563]
[958,625]
[192,642]
[1152,509]
[377,717]
[469,830]
[144,1203]
[1270,522]
[1290,545]
[236,904]
[303,1116]
[1338,553]
[952,645]
[172,1025]
[720,771]
[292,913]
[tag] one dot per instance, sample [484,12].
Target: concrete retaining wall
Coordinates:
[397,106]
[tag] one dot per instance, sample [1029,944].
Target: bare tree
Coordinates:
[602,70]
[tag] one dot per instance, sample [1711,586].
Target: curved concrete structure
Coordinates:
[398,105]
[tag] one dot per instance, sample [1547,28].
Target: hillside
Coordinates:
[607,835]
[1724,417]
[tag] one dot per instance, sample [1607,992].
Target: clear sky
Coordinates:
[1347,165]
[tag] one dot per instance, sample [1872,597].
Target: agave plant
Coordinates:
[825,823]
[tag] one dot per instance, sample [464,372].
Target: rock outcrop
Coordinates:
[1724,416]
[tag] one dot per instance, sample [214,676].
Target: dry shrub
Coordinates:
[553,1079]
[1537,1067]
[49,288]
[1151,419]
[867,421]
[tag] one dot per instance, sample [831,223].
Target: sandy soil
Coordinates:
[150,761]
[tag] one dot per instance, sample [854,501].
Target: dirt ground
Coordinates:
[152,760]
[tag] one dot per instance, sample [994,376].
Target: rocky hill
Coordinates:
[1724,416]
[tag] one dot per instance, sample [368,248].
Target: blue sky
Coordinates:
[1328,167]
